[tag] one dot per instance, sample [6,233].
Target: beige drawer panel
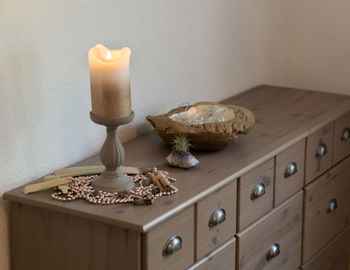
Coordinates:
[282,227]
[252,207]
[221,258]
[155,241]
[341,138]
[334,256]
[289,171]
[216,219]
[322,221]
[319,149]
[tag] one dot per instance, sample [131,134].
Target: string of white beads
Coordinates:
[80,188]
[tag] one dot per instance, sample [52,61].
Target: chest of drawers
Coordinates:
[278,199]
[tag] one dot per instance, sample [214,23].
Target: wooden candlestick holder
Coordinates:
[112,155]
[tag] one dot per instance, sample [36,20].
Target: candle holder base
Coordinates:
[112,155]
[112,184]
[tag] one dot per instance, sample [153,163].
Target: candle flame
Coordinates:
[108,55]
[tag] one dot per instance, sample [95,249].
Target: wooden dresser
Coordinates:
[278,199]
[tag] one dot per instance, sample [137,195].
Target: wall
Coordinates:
[319,42]
[182,51]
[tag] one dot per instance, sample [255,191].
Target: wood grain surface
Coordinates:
[250,210]
[287,186]
[334,256]
[221,258]
[341,147]
[43,239]
[283,226]
[209,238]
[284,116]
[154,241]
[320,226]
[315,166]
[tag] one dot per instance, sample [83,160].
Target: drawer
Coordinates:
[289,171]
[170,244]
[274,241]
[327,208]
[221,258]
[319,148]
[334,256]
[255,193]
[341,138]
[216,219]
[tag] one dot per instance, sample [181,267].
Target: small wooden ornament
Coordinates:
[88,170]
[154,180]
[63,188]
[45,185]
[160,180]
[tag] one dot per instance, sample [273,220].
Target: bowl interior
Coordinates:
[204,113]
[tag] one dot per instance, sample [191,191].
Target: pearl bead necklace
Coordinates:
[80,188]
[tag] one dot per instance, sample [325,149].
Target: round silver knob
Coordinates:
[321,150]
[346,134]
[217,217]
[290,169]
[173,244]
[273,251]
[258,191]
[332,205]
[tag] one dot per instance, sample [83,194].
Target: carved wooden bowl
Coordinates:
[208,125]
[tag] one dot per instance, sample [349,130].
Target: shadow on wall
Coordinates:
[4,228]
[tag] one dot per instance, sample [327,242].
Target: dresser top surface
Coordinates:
[283,117]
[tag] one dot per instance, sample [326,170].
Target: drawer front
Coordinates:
[289,171]
[319,149]
[255,193]
[334,256]
[221,258]
[216,219]
[273,242]
[341,138]
[327,208]
[170,245]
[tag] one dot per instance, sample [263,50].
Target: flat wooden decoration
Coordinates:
[45,185]
[88,170]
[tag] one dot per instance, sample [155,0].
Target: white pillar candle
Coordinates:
[110,82]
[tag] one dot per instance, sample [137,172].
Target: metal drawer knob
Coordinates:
[291,169]
[258,191]
[172,245]
[217,217]
[321,150]
[273,251]
[346,134]
[332,205]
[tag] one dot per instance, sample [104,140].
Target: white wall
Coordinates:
[319,45]
[182,51]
